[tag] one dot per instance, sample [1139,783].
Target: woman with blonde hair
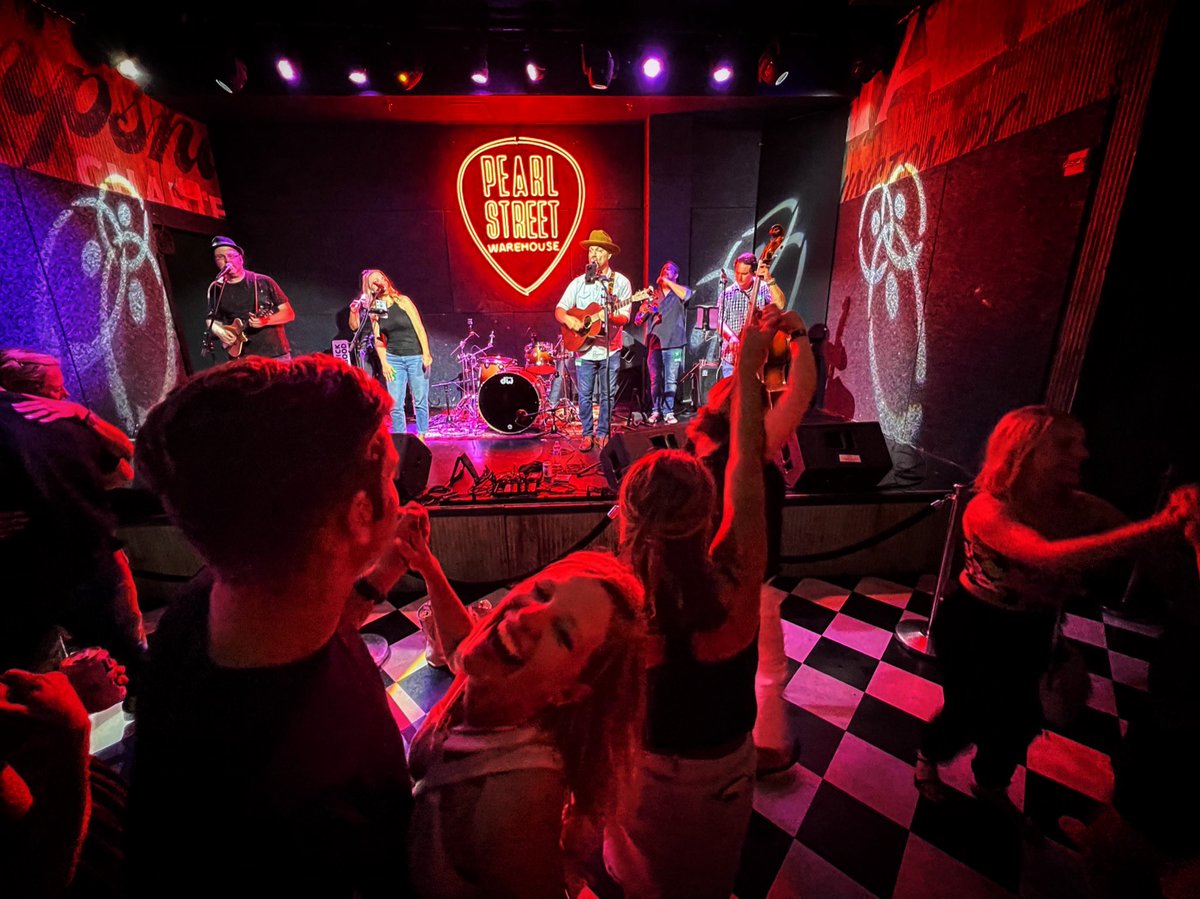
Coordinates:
[1029,534]
[401,343]
[536,735]
[697,764]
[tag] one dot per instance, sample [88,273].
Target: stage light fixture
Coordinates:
[479,74]
[722,73]
[534,72]
[652,66]
[232,76]
[407,79]
[772,71]
[287,70]
[358,77]
[128,67]
[599,66]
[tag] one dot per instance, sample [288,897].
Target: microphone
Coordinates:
[225,273]
[589,273]
[724,277]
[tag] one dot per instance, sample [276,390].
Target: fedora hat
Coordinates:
[222,241]
[602,240]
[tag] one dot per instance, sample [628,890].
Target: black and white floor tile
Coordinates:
[847,821]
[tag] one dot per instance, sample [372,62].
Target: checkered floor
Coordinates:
[848,821]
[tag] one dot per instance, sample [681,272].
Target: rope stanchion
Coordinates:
[575,547]
[914,633]
[874,540]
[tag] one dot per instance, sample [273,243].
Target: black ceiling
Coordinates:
[827,44]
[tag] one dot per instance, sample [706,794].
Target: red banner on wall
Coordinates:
[63,118]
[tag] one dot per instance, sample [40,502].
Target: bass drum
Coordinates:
[510,402]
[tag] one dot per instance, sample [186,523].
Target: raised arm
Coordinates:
[989,520]
[785,416]
[450,616]
[740,546]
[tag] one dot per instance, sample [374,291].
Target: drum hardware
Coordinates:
[470,358]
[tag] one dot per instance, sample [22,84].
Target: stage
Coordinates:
[504,516]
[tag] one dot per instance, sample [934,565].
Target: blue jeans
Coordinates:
[411,374]
[588,375]
[666,365]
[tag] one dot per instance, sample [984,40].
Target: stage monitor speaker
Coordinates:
[849,455]
[627,447]
[415,459]
[701,381]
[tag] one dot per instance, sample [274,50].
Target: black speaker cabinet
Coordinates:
[627,447]
[849,455]
[415,459]
[702,378]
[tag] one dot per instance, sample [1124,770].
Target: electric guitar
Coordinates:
[592,319]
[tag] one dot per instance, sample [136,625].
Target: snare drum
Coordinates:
[539,358]
[510,402]
[493,365]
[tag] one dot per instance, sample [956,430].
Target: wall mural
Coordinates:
[891,231]
[111,302]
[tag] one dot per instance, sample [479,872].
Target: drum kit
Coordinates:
[508,395]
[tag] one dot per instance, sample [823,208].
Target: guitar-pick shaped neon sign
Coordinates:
[522,201]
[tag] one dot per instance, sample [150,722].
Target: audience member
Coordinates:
[777,749]
[697,766]
[540,727]
[268,760]
[1030,534]
[63,564]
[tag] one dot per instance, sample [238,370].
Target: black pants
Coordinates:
[991,660]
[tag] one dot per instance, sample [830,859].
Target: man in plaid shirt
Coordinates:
[735,303]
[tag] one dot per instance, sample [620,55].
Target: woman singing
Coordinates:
[404,353]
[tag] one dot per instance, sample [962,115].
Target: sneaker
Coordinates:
[773,762]
[671,419]
[587,444]
[653,417]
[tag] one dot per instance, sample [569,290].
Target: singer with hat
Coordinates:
[597,360]
[247,310]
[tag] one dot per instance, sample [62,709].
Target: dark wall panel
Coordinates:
[992,264]
[799,190]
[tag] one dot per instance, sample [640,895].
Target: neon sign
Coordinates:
[522,200]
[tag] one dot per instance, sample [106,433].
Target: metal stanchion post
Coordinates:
[914,633]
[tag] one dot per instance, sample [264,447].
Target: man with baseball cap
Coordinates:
[251,309]
[597,359]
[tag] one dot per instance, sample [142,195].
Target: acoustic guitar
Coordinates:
[592,320]
[237,330]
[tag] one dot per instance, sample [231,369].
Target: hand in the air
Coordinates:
[47,410]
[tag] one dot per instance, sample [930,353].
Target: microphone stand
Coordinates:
[364,336]
[207,347]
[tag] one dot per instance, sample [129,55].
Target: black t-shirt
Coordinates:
[288,780]
[238,301]
[54,472]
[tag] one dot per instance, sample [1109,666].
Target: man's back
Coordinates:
[265,780]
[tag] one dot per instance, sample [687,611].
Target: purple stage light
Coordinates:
[287,71]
